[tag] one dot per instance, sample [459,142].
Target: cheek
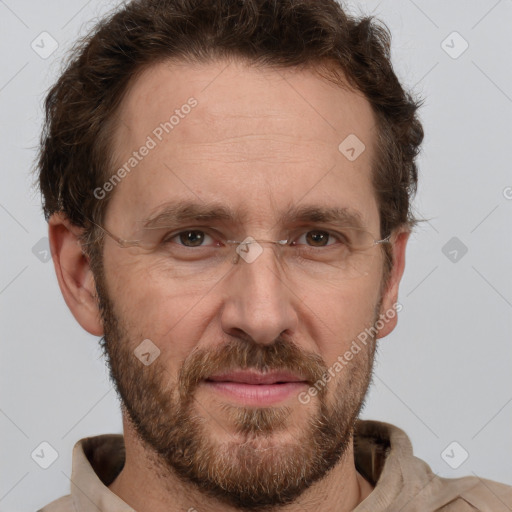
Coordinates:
[343,314]
[150,306]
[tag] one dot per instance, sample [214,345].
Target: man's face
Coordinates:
[259,143]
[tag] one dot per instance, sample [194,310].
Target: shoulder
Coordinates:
[383,454]
[63,504]
[472,493]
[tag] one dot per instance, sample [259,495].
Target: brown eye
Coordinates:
[191,238]
[317,238]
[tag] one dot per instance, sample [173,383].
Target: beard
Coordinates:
[254,469]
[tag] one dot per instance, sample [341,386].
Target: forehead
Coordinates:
[254,138]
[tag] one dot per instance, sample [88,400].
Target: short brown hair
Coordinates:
[75,153]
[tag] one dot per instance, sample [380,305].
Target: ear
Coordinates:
[388,309]
[74,274]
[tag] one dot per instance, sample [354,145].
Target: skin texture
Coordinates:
[259,141]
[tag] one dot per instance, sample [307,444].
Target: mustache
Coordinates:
[244,353]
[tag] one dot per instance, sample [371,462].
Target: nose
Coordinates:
[259,301]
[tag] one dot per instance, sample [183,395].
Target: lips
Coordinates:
[252,377]
[253,388]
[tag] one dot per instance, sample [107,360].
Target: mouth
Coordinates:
[255,388]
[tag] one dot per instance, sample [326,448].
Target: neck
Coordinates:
[164,491]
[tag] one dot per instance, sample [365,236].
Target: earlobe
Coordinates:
[388,310]
[75,277]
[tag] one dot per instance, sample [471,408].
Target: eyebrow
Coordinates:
[175,213]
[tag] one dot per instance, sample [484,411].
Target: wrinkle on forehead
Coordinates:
[252,148]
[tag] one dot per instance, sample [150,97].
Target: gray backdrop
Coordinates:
[444,375]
